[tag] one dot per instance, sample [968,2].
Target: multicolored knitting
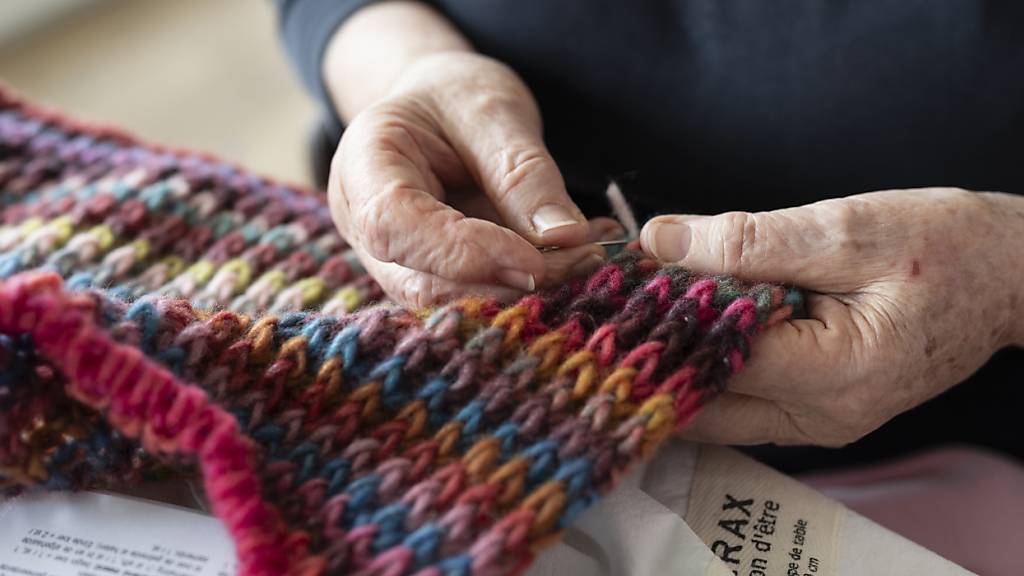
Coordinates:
[165,311]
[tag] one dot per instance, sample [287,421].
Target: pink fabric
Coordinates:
[964,503]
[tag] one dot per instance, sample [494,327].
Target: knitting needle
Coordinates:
[612,247]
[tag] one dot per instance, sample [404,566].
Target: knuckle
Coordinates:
[418,291]
[499,101]
[513,166]
[455,257]
[741,234]
[848,224]
[383,126]
[393,134]
[370,218]
[450,253]
[965,205]
[952,192]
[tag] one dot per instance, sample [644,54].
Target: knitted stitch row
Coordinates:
[165,311]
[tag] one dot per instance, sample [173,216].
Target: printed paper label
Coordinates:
[91,534]
[759,522]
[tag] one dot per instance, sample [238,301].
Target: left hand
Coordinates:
[913,290]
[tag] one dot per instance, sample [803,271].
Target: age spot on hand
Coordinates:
[929,347]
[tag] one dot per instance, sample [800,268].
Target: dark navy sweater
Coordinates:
[712,105]
[703,106]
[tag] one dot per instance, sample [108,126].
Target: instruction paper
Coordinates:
[94,534]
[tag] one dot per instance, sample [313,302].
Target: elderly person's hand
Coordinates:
[913,290]
[442,183]
[445,187]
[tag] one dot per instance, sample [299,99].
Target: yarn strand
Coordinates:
[165,313]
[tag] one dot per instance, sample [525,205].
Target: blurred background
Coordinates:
[202,74]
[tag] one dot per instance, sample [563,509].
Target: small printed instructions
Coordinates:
[93,534]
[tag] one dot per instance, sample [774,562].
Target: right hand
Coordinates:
[444,188]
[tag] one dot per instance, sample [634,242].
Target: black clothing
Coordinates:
[704,106]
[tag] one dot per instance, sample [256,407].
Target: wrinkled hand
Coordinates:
[445,187]
[913,290]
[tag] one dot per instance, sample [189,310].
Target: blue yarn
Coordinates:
[507,433]
[280,236]
[460,565]
[389,521]
[471,414]
[306,455]
[121,191]
[391,371]
[80,281]
[575,473]
[425,542]
[543,456]
[172,357]
[154,195]
[346,345]
[794,298]
[269,435]
[362,502]
[11,263]
[317,334]
[336,472]
[576,506]
[433,392]
[221,224]
[289,326]
[148,318]
[251,231]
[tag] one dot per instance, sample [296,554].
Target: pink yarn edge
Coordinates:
[144,400]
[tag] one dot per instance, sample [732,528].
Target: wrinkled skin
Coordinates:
[437,188]
[912,291]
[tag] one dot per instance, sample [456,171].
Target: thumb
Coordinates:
[781,246]
[507,155]
[526,187]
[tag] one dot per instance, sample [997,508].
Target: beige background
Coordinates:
[205,74]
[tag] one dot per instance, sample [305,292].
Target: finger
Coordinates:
[792,360]
[384,199]
[512,165]
[417,290]
[796,245]
[603,229]
[732,418]
[560,265]
[581,261]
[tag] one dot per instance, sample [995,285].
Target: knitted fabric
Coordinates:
[164,312]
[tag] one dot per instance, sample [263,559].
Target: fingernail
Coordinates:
[551,216]
[587,265]
[517,279]
[669,241]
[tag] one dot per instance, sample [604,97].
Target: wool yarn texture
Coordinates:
[166,314]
